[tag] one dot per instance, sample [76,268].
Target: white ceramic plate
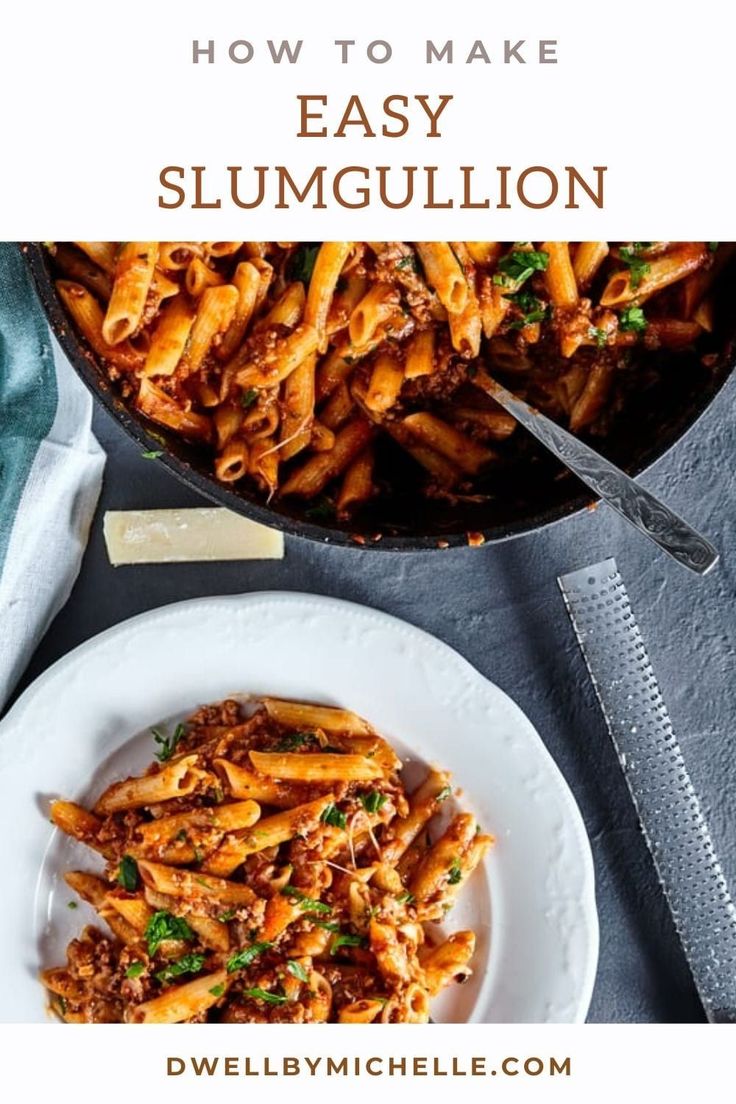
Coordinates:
[86,722]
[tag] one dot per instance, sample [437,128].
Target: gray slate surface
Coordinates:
[500,607]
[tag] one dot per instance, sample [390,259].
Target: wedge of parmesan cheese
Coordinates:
[187,536]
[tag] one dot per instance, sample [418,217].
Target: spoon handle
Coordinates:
[640,508]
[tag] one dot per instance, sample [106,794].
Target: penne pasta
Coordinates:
[134,270]
[293,363]
[182,1002]
[295,882]
[175,780]
[444,274]
[315,768]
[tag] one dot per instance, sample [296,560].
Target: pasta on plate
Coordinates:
[270,867]
[301,365]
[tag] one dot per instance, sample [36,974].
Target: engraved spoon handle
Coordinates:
[640,508]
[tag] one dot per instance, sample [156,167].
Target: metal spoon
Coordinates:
[640,508]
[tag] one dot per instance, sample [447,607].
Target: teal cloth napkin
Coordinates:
[50,471]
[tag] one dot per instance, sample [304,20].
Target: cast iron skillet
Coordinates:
[534,492]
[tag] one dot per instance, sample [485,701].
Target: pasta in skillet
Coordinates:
[297,364]
[269,868]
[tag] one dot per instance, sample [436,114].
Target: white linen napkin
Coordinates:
[50,472]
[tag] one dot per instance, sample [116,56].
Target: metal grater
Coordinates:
[649,753]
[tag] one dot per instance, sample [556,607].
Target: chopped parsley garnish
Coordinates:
[181,836]
[293,740]
[532,309]
[456,873]
[245,957]
[409,261]
[636,266]
[374,801]
[331,815]
[217,990]
[300,265]
[225,916]
[712,246]
[328,925]
[297,970]
[248,398]
[152,454]
[598,335]
[444,793]
[135,970]
[189,964]
[632,320]
[345,939]
[128,873]
[261,994]
[71,904]
[321,511]
[405,898]
[164,925]
[167,744]
[306,904]
[518,265]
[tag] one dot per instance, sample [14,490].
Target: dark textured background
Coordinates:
[501,608]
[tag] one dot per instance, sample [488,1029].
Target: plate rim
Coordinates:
[588,908]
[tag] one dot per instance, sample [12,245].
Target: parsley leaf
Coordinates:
[532,309]
[328,925]
[636,266]
[293,740]
[300,265]
[167,744]
[712,246]
[297,970]
[189,964]
[163,925]
[245,957]
[598,335]
[261,994]
[128,873]
[225,916]
[374,801]
[321,511]
[248,398]
[306,904]
[409,261]
[217,990]
[331,815]
[71,904]
[345,939]
[456,873]
[135,970]
[444,793]
[152,454]
[632,320]
[518,265]
[405,898]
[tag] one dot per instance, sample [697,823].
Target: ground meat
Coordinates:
[228,713]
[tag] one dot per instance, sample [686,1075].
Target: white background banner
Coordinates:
[98,100]
[606,1063]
